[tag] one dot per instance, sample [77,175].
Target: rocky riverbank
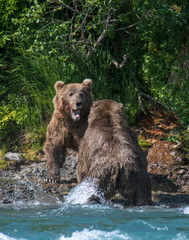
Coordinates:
[24,182]
[27,186]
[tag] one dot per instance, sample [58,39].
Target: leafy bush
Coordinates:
[9,127]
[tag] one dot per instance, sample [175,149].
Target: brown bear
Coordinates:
[72,105]
[110,152]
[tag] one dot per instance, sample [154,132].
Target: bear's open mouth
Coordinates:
[75,114]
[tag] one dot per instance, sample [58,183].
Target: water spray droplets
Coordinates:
[86,192]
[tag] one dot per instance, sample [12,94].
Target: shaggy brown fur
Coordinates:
[72,105]
[110,153]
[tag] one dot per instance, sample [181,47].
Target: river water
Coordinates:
[76,220]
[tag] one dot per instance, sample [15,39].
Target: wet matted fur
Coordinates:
[110,152]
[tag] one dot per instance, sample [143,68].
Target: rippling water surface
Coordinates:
[82,222]
[76,220]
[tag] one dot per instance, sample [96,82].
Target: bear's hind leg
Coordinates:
[143,192]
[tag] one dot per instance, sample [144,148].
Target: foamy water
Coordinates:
[87,234]
[94,222]
[5,237]
[114,235]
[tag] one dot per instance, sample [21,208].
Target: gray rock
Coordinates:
[1,197]
[34,170]
[9,156]
[45,198]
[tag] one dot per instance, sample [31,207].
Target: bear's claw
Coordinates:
[51,180]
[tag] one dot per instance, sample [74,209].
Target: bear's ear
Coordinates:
[87,83]
[58,85]
[121,105]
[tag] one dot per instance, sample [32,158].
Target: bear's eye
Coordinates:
[71,94]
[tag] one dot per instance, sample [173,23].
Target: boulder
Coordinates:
[10,156]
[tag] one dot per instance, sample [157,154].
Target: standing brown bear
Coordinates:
[110,152]
[72,105]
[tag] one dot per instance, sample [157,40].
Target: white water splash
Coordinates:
[5,237]
[186,210]
[83,191]
[180,236]
[97,234]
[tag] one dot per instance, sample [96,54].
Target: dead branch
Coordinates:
[121,65]
[92,49]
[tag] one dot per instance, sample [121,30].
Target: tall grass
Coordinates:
[31,85]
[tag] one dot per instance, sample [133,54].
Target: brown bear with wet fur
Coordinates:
[110,152]
[72,105]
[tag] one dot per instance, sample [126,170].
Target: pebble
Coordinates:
[182,171]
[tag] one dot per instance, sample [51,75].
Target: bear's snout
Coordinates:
[78,104]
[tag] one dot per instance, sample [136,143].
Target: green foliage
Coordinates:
[9,123]
[35,138]
[45,41]
[4,164]
[144,144]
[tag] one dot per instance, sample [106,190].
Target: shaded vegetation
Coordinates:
[136,52]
